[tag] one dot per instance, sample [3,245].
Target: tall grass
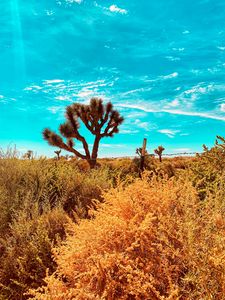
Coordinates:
[37,198]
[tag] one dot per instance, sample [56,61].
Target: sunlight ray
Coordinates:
[18,43]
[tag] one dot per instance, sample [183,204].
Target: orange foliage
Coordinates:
[149,240]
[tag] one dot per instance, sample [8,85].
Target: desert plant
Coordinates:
[151,240]
[101,120]
[208,168]
[159,152]
[29,154]
[26,250]
[57,152]
[139,151]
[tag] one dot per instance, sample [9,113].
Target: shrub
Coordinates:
[26,250]
[36,198]
[151,240]
[207,169]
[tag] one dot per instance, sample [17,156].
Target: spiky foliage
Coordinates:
[29,154]
[101,120]
[159,152]
[139,151]
[57,152]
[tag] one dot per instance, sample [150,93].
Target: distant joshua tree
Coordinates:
[29,154]
[159,152]
[139,151]
[57,152]
[101,120]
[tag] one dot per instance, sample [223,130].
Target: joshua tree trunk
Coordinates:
[93,160]
[159,152]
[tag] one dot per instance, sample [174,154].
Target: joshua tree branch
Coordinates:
[55,140]
[71,149]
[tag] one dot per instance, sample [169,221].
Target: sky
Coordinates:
[160,62]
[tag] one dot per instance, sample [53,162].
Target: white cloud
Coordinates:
[172,58]
[222,107]
[53,81]
[55,109]
[199,89]
[49,12]
[221,48]
[169,132]
[85,93]
[186,32]
[63,98]
[115,8]
[128,131]
[174,103]
[140,124]
[74,1]
[135,114]
[148,89]
[207,115]
[112,145]
[32,88]
[172,75]
[178,49]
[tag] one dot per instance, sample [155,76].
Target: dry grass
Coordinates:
[152,240]
[162,237]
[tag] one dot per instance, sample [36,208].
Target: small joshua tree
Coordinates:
[101,120]
[159,152]
[29,154]
[57,152]
[139,151]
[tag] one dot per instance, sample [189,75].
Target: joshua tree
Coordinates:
[57,152]
[101,120]
[159,152]
[29,154]
[139,151]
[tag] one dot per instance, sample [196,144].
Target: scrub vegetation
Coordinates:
[69,231]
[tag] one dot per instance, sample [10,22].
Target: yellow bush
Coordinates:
[151,240]
[26,251]
[36,197]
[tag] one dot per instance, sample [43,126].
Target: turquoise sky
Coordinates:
[161,63]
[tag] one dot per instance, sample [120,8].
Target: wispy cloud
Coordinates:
[55,109]
[128,131]
[147,126]
[222,107]
[146,108]
[74,1]
[68,90]
[52,81]
[221,48]
[169,132]
[104,145]
[116,9]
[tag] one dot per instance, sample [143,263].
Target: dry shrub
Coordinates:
[26,251]
[151,240]
[36,197]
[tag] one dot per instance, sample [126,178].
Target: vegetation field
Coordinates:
[110,232]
